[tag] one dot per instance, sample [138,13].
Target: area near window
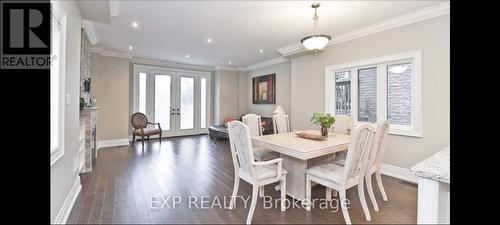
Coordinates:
[57,74]
[374,90]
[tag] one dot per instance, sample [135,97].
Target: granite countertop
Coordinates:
[436,167]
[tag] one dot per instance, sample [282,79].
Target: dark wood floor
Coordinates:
[121,187]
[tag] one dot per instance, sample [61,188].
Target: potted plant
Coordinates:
[325,121]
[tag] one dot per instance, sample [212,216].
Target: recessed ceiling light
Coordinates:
[187,56]
[209,40]
[130,47]
[261,51]
[135,24]
[230,62]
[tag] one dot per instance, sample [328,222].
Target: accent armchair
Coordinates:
[140,123]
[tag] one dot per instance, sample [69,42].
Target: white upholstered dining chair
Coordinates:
[257,174]
[342,125]
[376,155]
[341,178]
[281,123]
[254,122]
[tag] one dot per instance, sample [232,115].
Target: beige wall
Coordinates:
[283,95]
[62,173]
[433,37]
[225,95]
[110,85]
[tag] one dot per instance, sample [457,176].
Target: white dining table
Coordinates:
[299,154]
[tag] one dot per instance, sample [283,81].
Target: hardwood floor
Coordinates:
[128,183]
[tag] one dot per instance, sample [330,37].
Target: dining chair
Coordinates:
[342,125]
[257,173]
[281,124]
[254,122]
[341,178]
[374,161]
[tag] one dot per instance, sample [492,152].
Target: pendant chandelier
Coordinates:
[316,41]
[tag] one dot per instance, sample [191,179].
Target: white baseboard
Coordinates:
[398,172]
[63,214]
[112,143]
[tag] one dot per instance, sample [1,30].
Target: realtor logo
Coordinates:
[25,34]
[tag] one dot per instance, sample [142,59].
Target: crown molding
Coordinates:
[266,63]
[116,54]
[96,49]
[227,68]
[171,64]
[89,28]
[406,19]
[114,9]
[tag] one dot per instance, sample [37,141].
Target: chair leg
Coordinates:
[133,138]
[362,199]
[235,192]
[160,137]
[328,194]
[308,194]
[142,140]
[380,186]
[148,138]
[261,191]
[283,193]
[255,191]
[335,193]
[369,187]
[344,209]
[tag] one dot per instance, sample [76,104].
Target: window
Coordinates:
[385,88]
[142,93]
[343,93]
[203,99]
[57,91]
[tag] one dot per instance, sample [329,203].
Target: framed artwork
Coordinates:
[264,89]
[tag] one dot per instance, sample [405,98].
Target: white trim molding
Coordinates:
[398,172]
[112,143]
[403,20]
[226,68]
[114,9]
[63,214]
[171,64]
[267,63]
[116,54]
[89,28]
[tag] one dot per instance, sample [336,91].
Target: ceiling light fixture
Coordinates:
[187,56]
[230,62]
[130,47]
[135,24]
[261,51]
[315,41]
[209,40]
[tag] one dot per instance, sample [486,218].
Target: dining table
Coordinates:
[299,154]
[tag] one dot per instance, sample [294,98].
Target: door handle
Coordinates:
[173,112]
[178,111]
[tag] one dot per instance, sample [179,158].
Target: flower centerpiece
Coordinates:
[227,120]
[325,121]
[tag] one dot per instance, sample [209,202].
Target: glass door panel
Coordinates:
[163,100]
[186,103]
[142,93]
[203,102]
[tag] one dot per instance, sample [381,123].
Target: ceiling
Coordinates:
[168,30]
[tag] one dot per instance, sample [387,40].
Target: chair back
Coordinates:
[253,121]
[139,120]
[241,147]
[378,146]
[356,158]
[281,124]
[342,125]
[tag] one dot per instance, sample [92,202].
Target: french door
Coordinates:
[177,99]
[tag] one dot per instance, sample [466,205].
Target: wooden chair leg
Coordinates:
[362,199]
[160,137]
[261,191]
[142,140]
[380,185]
[148,138]
[369,187]
[255,195]
[328,194]
[133,138]
[344,207]
[235,192]
[283,193]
